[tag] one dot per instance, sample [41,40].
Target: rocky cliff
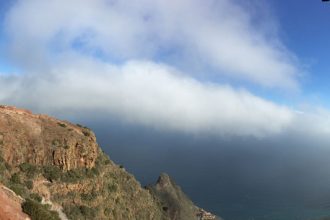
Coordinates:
[59,171]
[175,203]
[42,140]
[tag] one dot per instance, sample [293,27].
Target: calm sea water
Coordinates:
[284,178]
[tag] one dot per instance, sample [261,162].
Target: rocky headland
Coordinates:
[53,169]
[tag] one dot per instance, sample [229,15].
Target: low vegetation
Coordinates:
[52,173]
[29,169]
[80,212]
[62,125]
[38,211]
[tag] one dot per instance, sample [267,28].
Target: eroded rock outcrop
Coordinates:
[43,140]
[175,203]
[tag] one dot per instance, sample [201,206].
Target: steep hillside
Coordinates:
[10,205]
[61,173]
[175,203]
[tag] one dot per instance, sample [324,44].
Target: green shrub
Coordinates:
[8,167]
[72,176]
[112,187]
[4,165]
[2,168]
[36,197]
[1,138]
[91,173]
[18,189]
[38,212]
[30,169]
[52,173]
[102,160]
[117,201]
[61,124]
[88,196]
[80,212]
[73,212]
[29,184]
[86,133]
[24,167]
[107,211]
[56,143]
[57,197]
[15,178]
[88,212]
[71,195]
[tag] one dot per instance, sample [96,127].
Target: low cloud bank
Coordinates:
[150,94]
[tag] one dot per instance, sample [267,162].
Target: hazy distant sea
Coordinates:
[285,178]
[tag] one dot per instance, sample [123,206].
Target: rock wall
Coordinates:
[43,140]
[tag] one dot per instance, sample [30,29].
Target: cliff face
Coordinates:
[42,140]
[61,173]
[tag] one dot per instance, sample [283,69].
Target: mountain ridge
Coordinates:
[58,168]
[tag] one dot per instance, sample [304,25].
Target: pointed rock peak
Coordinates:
[164,179]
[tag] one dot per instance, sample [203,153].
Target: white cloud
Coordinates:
[216,34]
[313,121]
[59,45]
[150,94]
[158,96]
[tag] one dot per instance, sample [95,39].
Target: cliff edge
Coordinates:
[59,172]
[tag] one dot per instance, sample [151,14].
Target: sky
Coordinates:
[215,67]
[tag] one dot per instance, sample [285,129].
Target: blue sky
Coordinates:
[223,67]
[4,66]
[305,30]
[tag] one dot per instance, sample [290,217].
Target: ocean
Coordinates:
[280,178]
